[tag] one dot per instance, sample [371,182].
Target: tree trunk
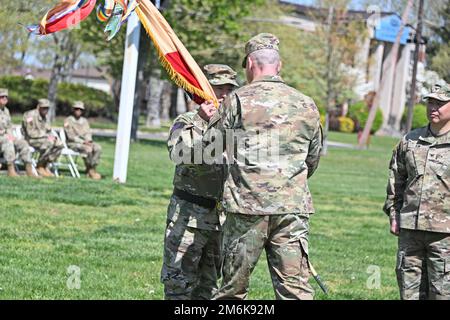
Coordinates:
[60,62]
[154,99]
[363,141]
[329,81]
[165,101]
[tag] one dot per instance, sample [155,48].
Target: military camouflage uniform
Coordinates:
[78,132]
[267,202]
[37,131]
[418,197]
[192,244]
[7,147]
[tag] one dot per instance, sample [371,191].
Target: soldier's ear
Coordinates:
[280,64]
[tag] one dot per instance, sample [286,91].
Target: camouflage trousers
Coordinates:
[285,240]
[49,151]
[192,252]
[92,153]
[423,265]
[9,148]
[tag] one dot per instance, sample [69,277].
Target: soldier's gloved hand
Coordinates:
[10,137]
[51,138]
[395,228]
[207,110]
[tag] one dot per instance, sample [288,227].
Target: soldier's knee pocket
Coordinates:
[440,278]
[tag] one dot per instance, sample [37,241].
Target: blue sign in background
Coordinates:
[388,29]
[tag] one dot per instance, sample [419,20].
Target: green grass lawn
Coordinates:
[114,233]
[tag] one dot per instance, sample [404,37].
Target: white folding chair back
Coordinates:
[68,154]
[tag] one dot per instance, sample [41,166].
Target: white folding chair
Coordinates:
[68,154]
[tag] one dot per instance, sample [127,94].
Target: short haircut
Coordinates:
[265,57]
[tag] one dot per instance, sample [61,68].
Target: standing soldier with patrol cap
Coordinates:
[266,199]
[10,144]
[192,244]
[38,132]
[79,138]
[418,203]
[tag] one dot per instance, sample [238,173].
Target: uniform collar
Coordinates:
[269,79]
[428,137]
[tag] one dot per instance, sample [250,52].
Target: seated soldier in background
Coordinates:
[9,144]
[79,138]
[38,132]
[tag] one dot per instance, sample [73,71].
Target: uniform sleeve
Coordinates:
[87,136]
[29,127]
[225,119]
[70,133]
[315,148]
[397,181]
[9,127]
[184,136]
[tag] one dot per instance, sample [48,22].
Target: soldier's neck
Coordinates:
[439,129]
[2,106]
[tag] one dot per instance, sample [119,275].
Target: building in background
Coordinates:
[374,58]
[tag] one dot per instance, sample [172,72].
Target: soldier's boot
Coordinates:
[12,170]
[50,174]
[30,172]
[42,170]
[94,174]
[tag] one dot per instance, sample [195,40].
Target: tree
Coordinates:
[439,48]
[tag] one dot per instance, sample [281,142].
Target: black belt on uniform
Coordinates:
[201,201]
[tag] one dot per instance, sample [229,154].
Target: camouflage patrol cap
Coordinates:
[439,92]
[78,105]
[219,74]
[43,103]
[3,92]
[260,42]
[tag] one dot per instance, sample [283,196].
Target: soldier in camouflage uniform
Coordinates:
[192,244]
[79,138]
[38,132]
[266,199]
[9,144]
[418,203]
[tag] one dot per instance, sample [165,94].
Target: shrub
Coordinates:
[346,125]
[359,113]
[419,116]
[322,120]
[24,94]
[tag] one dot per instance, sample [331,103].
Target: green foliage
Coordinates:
[439,47]
[212,30]
[419,116]
[359,112]
[24,93]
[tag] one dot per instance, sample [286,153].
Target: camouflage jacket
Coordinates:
[77,131]
[34,126]
[193,176]
[419,181]
[5,122]
[278,146]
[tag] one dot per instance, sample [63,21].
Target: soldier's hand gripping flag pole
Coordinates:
[317,278]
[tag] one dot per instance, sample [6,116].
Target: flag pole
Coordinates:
[127,99]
